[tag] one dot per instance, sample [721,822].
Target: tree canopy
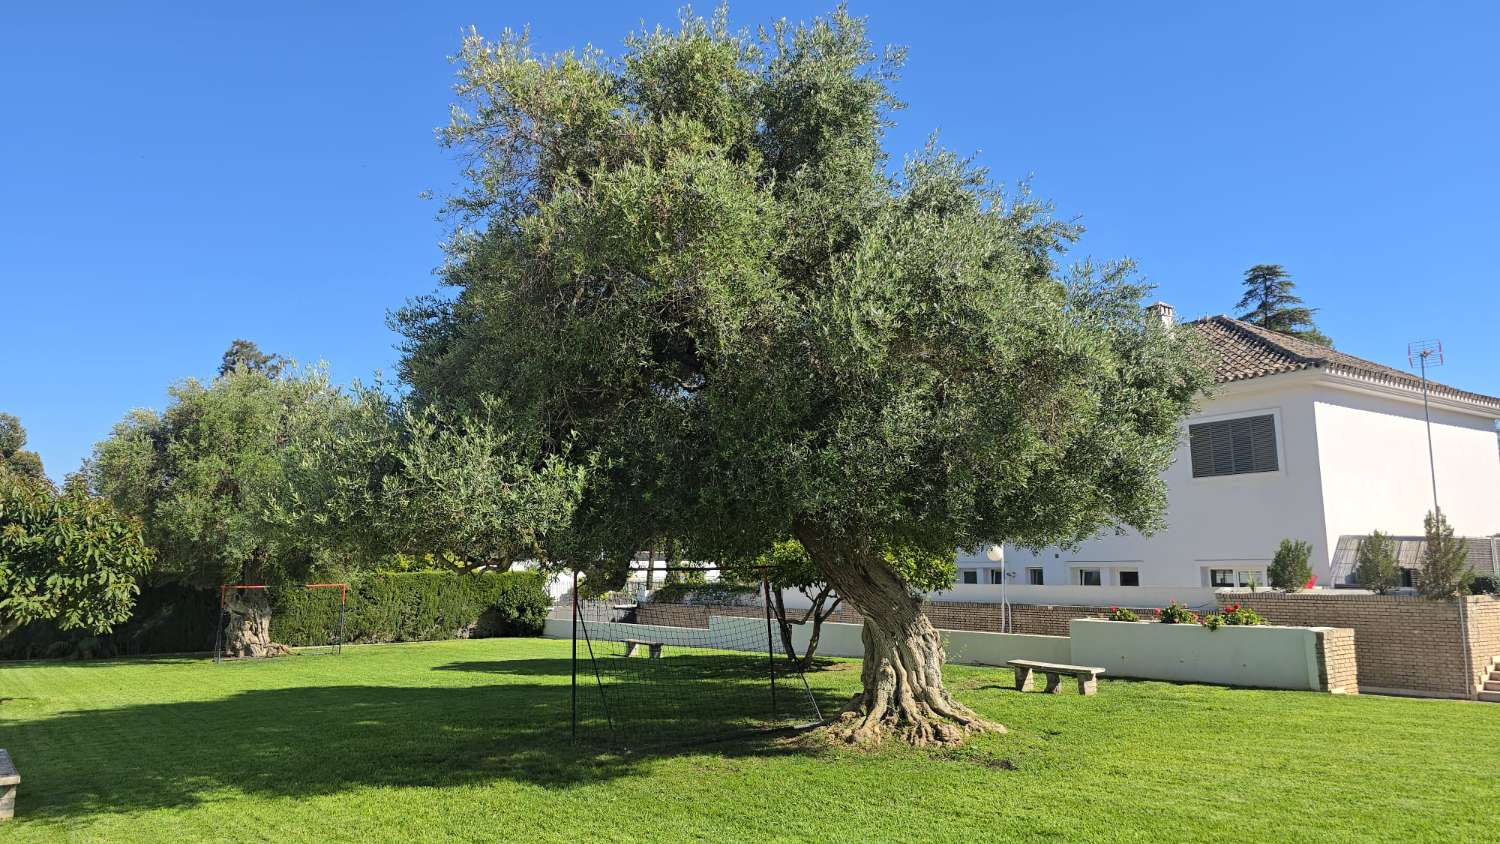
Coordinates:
[13,454]
[1272,305]
[66,558]
[694,264]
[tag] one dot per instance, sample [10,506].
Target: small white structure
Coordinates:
[1298,442]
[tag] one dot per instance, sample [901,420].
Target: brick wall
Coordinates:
[1338,670]
[1482,613]
[1400,642]
[1035,619]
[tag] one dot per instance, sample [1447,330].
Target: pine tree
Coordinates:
[1376,563]
[1445,562]
[1272,305]
[1289,570]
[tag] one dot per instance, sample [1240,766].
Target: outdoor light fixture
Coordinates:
[995,553]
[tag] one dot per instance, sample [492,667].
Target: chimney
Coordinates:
[1164,314]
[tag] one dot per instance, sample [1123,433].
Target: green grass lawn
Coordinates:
[469,740]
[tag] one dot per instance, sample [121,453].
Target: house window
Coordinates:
[1233,446]
[1090,577]
[968,576]
[1221,577]
[997,576]
[1034,576]
[1236,577]
[1408,578]
[1130,578]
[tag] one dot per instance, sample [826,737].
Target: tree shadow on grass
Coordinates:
[310,741]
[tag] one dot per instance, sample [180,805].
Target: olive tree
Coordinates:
[694,262]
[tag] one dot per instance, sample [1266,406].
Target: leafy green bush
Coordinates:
[1484,585]
[1213,621]
[1175,613]
[415,606]
[1122,614]
[1289,570]
[1239,615]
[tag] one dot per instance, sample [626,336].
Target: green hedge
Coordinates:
[415,606]
[387,607]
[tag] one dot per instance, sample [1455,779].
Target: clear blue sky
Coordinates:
[173,177]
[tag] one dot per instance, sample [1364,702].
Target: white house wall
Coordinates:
[1373,456]
[1233,521]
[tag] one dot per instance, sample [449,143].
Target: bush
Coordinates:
[1484,585]
[1122,614]
[415,606]
[1445,561]
[1175,613]
[1240,616]
[1289,570]
[1213,621]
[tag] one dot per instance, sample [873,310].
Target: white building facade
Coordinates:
[1297,442]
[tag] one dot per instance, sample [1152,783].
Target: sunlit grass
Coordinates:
[469,740]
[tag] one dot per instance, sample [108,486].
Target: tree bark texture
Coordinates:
[248,628]
[902,676]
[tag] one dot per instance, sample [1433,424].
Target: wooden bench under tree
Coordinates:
[9,779]
[653,648]
[1088,678]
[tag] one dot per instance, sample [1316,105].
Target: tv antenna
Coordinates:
[1422,354]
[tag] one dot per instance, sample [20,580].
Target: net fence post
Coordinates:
[574,708]
[343,600]
[765,583]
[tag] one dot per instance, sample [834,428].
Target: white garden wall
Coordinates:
[1264,657]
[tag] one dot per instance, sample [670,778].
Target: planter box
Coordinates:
[1260,656]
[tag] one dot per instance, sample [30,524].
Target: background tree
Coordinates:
[201,477]
[246,354]
[13,453]
[366,478]
[693,262]
[67,558]
[1272,304]
[1375,566]
[1289,570]
[1445,561]
[786,565]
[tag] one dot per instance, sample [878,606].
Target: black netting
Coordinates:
[683,678]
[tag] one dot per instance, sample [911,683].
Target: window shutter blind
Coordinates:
[1233,446]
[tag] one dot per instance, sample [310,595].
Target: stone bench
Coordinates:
[9,779]
[1088,678]
[653,648]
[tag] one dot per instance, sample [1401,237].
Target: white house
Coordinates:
[1298,442]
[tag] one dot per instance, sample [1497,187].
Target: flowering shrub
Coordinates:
[1176,613]
[1123,614]
[1213,621]
[1241,615]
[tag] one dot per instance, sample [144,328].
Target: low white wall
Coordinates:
[965,647]
[1264,657]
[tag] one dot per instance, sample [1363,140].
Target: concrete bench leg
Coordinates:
[7,802]
[1087,685]
[1054,684]
[630,648]
[1023,679]
[655,652]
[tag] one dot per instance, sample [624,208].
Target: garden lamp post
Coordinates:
[996,554]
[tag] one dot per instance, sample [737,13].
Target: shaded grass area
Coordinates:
[469,740]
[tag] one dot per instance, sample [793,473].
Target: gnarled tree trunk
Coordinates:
[248,629]
[902,676]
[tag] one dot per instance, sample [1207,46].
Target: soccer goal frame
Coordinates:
[333,648]
[748,678]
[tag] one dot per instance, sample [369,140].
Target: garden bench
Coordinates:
[654,648]
[9,779]
[1088,678]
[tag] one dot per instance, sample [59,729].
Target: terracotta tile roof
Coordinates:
[1249,351]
